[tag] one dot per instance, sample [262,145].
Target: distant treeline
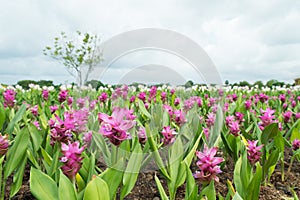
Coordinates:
[97,84]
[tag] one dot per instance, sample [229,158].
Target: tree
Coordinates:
[189,84]
[260,84]
[75,53]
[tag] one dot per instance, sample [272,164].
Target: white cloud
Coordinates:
[247,40]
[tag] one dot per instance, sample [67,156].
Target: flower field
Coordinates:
[82,143]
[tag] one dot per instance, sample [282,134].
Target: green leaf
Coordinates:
[96,189]
[42,186]
[158,159]
[253,188]
[269,132]
[2,116]
[191,191]
[177,173]
[17,152]
[132,170]
[209,191]
[46,157]
[113,178]
[143,109]
[36,137]
[66,189]
[217,128]
[237,177]
[237,196]
[161,190]
[17,179]
[272,160]
[16,119]
[188,159]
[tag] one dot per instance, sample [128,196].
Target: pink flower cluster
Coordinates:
[208,165]
[267,118]
[4,143]
[71,159]
[168,135]
[115,127]
[9,98]
[296,144]
[254,152]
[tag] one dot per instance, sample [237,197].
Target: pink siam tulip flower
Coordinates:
[70,100]
[254,152]
[132,99]
[115,127]
[79,119]
[62,96]
[221,92]
[45,94]
[284,106]
[87,138]
[34,110]
[267,117]
[294,104]
[169,109]
[142,96]
[263,97]
[53,108]
[60,132]
[234,128]
[225,107]
[176,101]
[287,116]
[71,159]
[211,101]
[103,97]
[210,121]
[248,104]
[172,91]
[298,98]
[188,104]
[239,116]
[163,96]
[296,144]
[80,102]
[179,117]
[130,115]
[282,98]
[9,98]
[206,132]
[4,143]
[229,119]
[234,97]
[169,135]
[208,165]
[142,135]
[37,125]
[297,116]
[92,105]
[152,93]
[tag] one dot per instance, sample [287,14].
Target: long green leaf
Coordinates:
[161,190]
[254,186]
[16,119]
[133,167]
[96,189]
[42,186]
[16,153]
[113,178]
[17,179]
[209,191]
[66,189]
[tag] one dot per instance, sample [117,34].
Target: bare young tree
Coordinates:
[76,53]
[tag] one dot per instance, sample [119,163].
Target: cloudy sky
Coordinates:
[246,40]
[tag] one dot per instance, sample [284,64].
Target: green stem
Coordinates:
[291,163]
[282,169]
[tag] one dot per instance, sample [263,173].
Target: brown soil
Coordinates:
[145,187]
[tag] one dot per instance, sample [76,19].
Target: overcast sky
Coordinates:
[247,40]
